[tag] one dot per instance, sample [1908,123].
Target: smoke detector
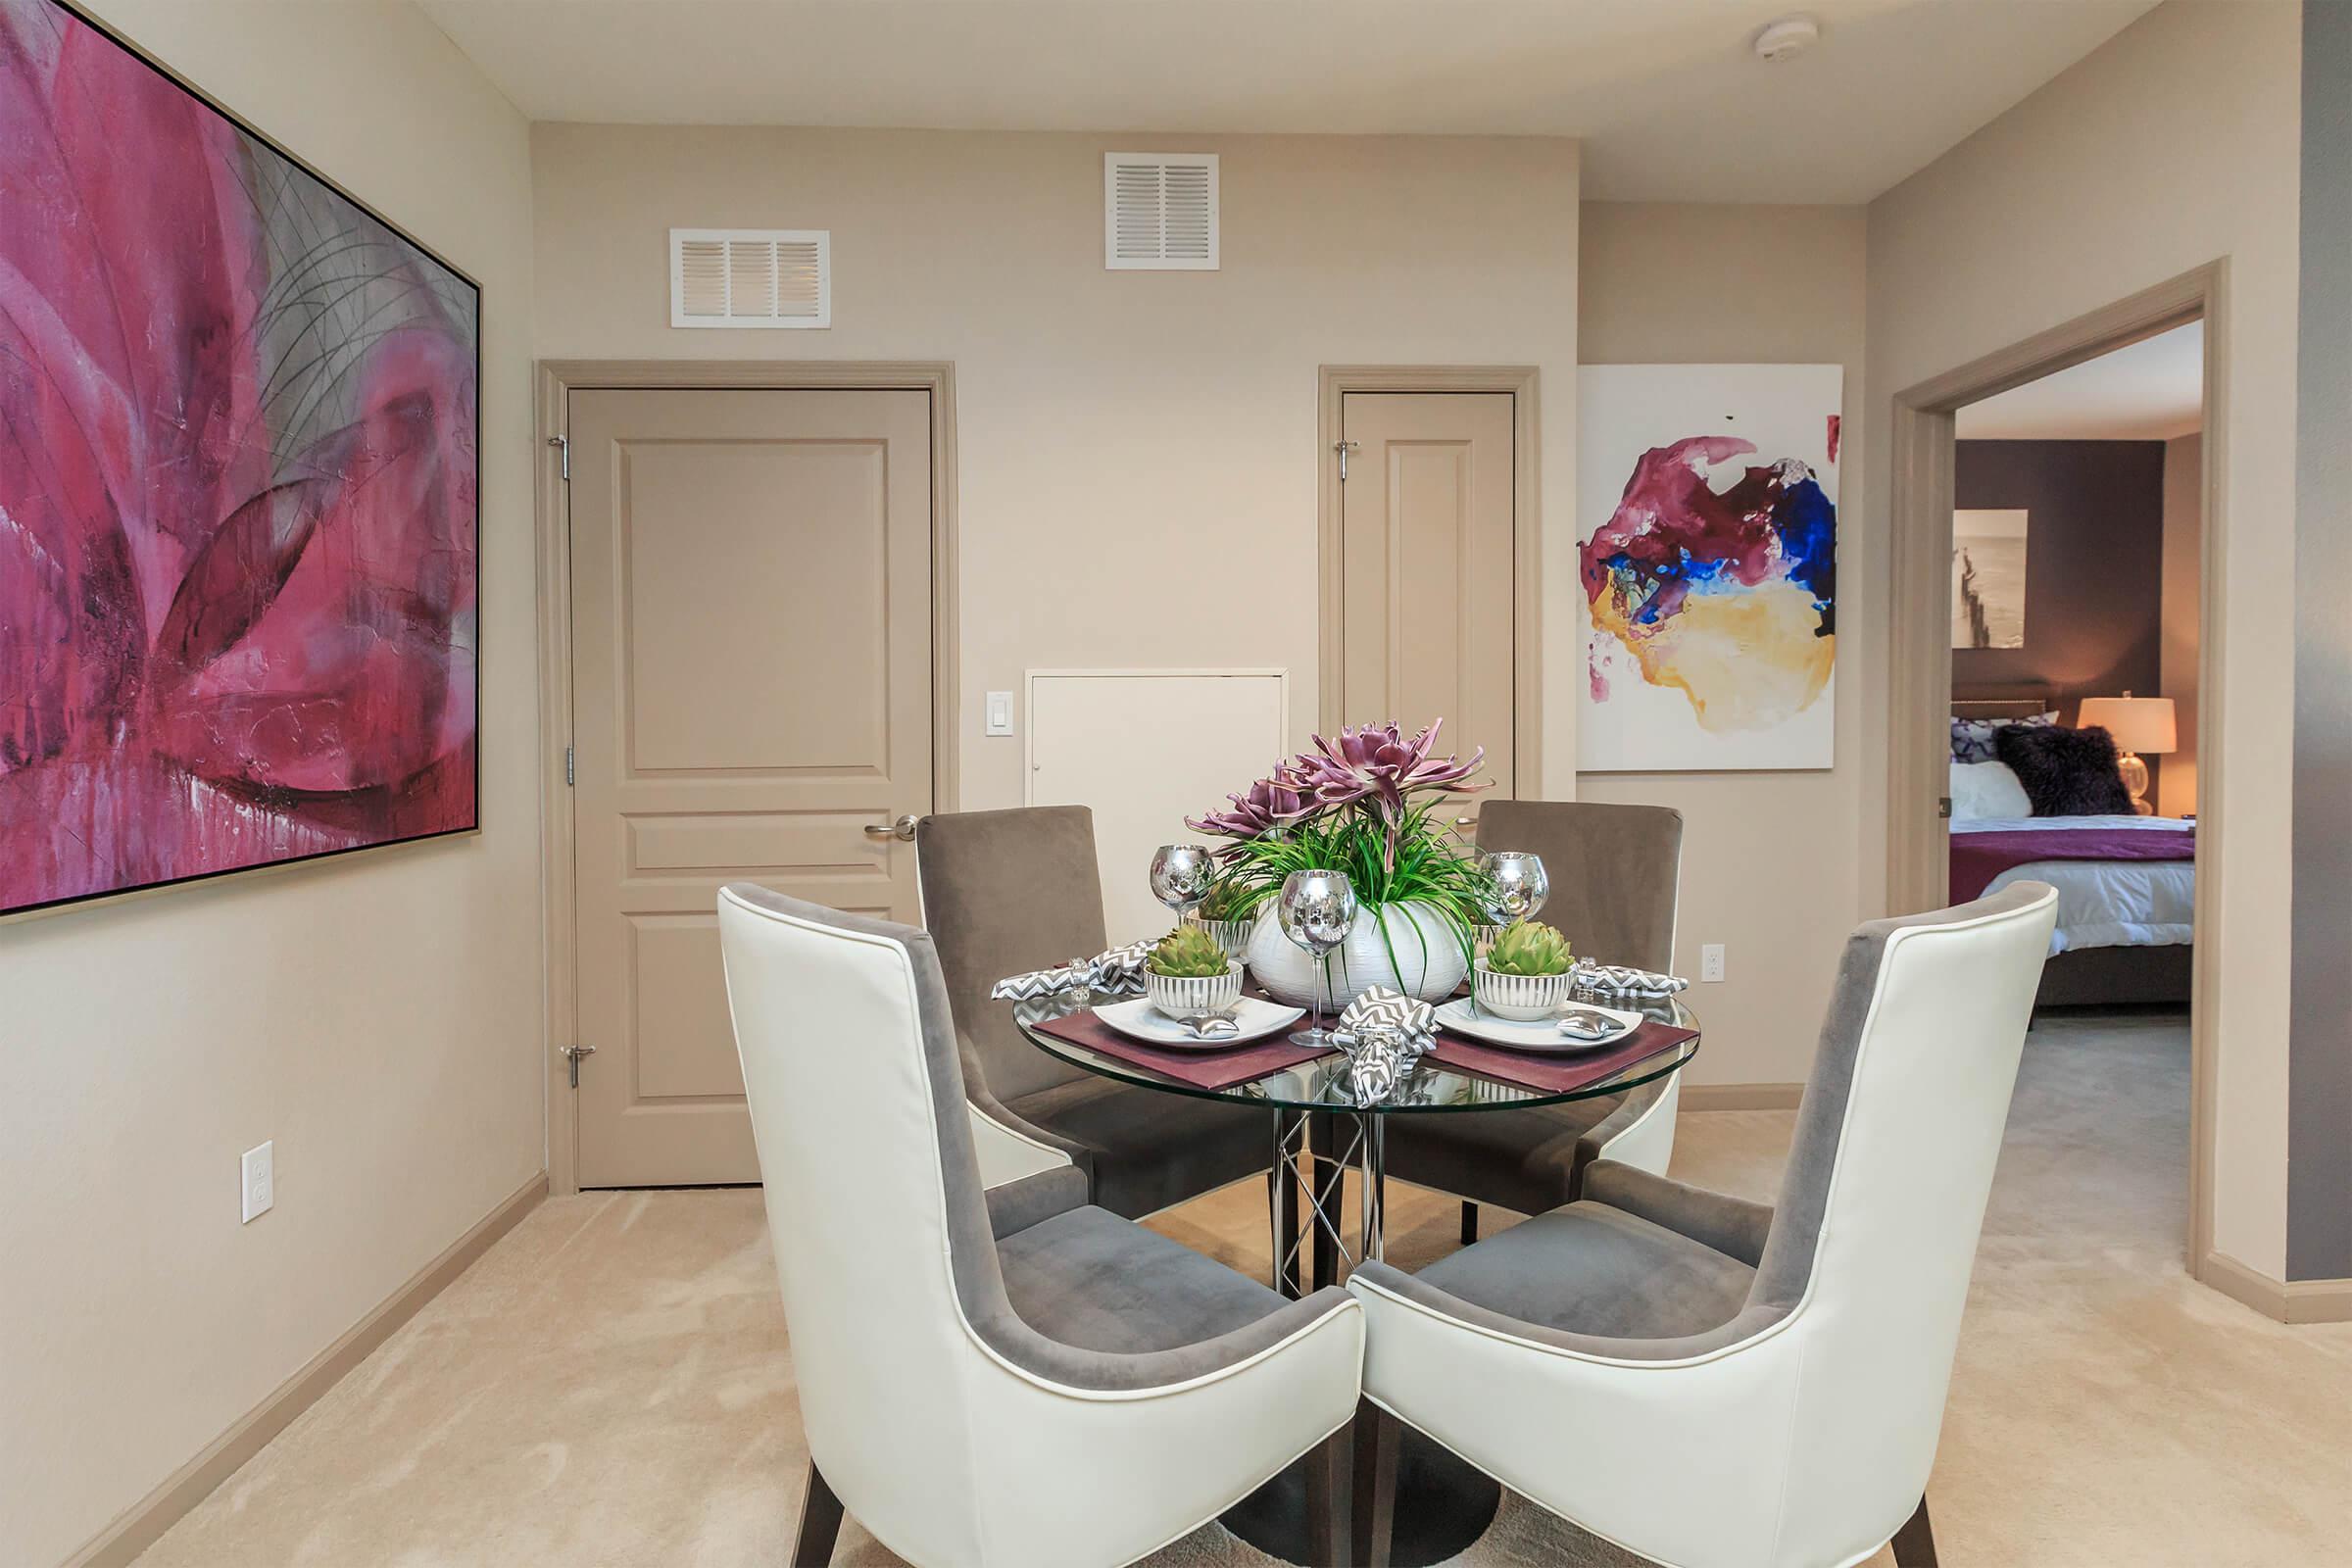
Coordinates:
[1787,39]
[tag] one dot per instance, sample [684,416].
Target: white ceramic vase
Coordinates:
[1428,959]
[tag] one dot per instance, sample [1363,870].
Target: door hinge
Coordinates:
[568,780]
[1943,807]
[573,1054]
[563,446]
[1342,447]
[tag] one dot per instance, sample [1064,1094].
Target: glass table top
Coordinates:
[1322,1084]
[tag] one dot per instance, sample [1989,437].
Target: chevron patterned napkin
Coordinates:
[1118,970]
[1383,1033]
[1617,980]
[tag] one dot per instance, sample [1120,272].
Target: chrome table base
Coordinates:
[1443,1502]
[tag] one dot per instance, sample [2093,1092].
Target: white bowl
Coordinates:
[1520,998]
[1194,995]
[1230,935]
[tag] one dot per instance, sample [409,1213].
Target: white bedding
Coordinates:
[2106,904]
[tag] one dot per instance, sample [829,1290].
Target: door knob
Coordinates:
[903,830]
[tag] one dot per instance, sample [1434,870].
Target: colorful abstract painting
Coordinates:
[237,493]
[1707,565]
[1988,580]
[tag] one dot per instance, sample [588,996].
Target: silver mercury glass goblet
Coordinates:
[1316,909]
[1180,876]
[1516,885]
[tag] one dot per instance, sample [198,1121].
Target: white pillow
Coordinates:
[1987,789]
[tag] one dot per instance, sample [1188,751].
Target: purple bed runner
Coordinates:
[1979,857]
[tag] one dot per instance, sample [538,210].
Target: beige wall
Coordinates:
[1770,860]
[2183,577]
[1110,423]
[2172,145]
[380,1016]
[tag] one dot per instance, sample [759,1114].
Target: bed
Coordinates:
[2126,885]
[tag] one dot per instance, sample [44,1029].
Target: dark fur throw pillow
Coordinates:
[2066,772]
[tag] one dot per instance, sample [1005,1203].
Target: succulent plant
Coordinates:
[1188,953]
[1529,947]
[1227,900]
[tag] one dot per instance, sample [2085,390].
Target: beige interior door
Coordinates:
[1426,570]
[751,698]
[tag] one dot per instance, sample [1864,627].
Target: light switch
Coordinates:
[1000,714]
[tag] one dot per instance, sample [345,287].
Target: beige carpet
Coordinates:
[611,1385]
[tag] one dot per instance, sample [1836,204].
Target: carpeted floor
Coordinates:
[611,1385]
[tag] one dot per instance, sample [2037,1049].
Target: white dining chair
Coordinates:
[1008,1377]
[1711,1383]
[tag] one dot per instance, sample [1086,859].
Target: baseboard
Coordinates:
[2282,1301]
[1741,1096]
[138,1526]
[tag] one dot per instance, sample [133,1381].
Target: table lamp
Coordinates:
[2138,724]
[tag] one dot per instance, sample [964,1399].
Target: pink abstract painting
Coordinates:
[237,493]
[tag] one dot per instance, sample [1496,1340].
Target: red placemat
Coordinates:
[1549,1074]
[1217,1068]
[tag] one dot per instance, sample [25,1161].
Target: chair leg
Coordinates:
[1915,1543]
[1374,1502]
[1469,1223]
[1326,1503]
[821,1523]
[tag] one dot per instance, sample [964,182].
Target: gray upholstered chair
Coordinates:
[1614,871]
[1010,891]
[1715,1384]
[999,1377]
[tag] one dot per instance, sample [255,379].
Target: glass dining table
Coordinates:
[1443,1503]
[1324,1086]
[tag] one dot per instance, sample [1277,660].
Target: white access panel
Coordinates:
[1146,749]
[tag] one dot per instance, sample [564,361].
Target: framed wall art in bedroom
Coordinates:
[238,498]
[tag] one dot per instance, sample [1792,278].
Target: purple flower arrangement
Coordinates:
[1364,803]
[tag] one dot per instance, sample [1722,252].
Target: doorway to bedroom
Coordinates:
[2072,523]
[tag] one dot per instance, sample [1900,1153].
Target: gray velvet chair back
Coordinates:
[1004,891]
[1616,871]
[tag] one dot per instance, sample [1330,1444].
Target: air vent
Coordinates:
[1160,212]
[751,278]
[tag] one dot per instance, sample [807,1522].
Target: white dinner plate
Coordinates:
[1141,1020]
[1464,1016]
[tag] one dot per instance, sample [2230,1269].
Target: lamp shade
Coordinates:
[2137,723]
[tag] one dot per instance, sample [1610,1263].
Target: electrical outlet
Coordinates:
[1710,961]
[1000,714]
[259,1169]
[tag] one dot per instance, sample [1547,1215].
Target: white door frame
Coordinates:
[559,827]
[1919,662]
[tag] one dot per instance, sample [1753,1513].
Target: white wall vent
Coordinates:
[1160,212]
[751,278]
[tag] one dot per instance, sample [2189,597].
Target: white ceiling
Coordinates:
[2151,391]
[1671,102]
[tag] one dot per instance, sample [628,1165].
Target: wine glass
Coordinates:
[1180,876]
[1516,885]
[1316,909]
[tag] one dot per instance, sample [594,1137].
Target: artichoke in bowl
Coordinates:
[1524,976]
[1188,953]
[1530,947]
[1187,976]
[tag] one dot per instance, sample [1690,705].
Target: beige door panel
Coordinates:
[750,693]
[1427,572]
